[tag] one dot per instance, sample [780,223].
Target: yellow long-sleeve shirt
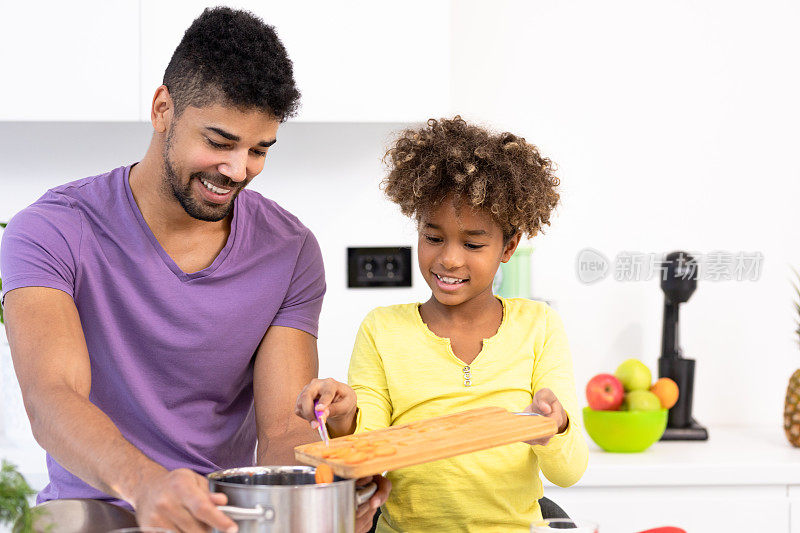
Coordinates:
[402,372]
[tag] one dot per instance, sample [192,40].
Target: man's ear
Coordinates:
[510,247]
[162,110]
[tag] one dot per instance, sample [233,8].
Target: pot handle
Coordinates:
[259,512]
[364,493]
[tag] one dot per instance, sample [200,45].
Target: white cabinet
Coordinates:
[69,60]
[794,512]
[704,509]
[354,61]
[102,60]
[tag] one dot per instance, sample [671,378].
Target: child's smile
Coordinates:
[449,283]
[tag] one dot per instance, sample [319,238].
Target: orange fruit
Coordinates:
[324,474]
[667,392]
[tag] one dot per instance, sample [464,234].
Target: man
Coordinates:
[161,318]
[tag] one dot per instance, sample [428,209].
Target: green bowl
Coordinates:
[624,431]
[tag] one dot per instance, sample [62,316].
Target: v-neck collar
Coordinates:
[165,257]
[445,340]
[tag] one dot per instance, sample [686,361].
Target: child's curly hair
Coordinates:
[500,173]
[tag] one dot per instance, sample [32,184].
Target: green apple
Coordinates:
[640,400]
[634,375]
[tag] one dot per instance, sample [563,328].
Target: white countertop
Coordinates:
[731,456]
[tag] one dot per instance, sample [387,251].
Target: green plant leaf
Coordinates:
[14,493]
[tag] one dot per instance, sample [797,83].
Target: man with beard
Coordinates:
[161,317]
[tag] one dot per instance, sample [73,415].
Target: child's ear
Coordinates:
[512,244]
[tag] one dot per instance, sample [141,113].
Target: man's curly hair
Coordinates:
[500,173]
[232,57]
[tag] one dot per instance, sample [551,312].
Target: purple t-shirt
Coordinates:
[171,353]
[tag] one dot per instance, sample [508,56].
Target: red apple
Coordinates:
[604,392]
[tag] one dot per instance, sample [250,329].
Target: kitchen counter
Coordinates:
[731,456]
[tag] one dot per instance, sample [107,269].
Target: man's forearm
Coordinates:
[278,449]
[81,438]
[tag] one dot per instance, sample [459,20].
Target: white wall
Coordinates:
[674,126]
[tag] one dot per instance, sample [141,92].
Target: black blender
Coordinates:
[678,281]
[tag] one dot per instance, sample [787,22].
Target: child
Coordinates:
[473,195]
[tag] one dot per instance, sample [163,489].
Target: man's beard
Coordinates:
[197,208]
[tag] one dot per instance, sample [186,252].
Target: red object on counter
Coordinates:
[605,392]
[668,529]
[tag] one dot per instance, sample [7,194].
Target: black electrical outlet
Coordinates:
[379,267]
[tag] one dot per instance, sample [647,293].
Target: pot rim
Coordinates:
[216,478]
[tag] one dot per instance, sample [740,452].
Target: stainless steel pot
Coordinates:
[78,515]
[286,499]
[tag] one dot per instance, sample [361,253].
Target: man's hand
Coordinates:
[545,403]
[366,511]
[181,500]
[336,400]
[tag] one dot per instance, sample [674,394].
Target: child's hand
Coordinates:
[338,401]
[545,403]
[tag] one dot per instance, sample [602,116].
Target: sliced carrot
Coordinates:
[330,452]
[324,474]
[385,451]
[341,452]
[356,457]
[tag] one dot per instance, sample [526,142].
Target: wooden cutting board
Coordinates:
[375,452]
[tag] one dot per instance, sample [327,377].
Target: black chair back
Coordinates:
[550,509]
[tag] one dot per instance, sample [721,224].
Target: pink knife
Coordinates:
[319,414]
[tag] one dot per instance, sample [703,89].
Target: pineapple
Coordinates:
[791,409]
